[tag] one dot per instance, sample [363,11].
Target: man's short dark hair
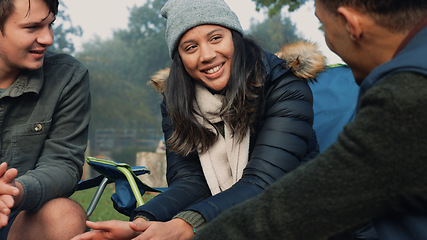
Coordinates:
[7,7]
[395,15]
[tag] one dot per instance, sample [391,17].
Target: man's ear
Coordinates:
[353,20]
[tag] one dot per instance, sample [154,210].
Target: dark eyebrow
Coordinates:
[48,14]
[188,41]
[215,30]
[42,20]
[209,34]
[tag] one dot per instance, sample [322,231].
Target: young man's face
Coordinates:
[26,36]
[334,29]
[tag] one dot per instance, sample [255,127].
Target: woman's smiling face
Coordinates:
[206,52]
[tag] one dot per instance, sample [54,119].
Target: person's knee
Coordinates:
[66,215]
[60,218]
[64,211]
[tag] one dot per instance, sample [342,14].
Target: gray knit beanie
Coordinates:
[182,15]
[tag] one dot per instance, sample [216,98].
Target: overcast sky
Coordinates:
[102,17]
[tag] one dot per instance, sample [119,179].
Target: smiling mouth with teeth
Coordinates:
[37,52]
[213,70]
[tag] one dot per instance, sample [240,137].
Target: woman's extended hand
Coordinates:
[106,230]
[139,229]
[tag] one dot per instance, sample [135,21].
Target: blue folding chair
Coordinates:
[128,187]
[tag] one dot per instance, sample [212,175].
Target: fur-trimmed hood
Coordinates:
[303,58]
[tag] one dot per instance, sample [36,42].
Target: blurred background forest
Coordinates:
[125,110]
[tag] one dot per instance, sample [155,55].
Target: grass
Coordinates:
[104,210]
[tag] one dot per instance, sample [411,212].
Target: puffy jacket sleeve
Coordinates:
[280,143]
[187,184]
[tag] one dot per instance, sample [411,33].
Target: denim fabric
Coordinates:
[44,119]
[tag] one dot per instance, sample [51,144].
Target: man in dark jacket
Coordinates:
[377,166]
[44,117]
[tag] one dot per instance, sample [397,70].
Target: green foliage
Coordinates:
[117,101]
[274,32]
[146,37]
[120,69]
[275,6]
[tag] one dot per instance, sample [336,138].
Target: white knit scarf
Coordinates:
[224,161]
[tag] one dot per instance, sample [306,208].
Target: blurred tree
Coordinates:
[146,36]
[274,32]
[275,6]
[116,101]
[120,69]
[63,28]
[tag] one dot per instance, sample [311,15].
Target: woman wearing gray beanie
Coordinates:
[235,119]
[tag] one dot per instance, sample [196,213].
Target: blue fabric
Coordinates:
[123,199]
[402,227]
[334,103]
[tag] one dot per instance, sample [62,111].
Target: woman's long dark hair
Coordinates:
[240,104]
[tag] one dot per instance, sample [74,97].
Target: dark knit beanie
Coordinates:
[182,15]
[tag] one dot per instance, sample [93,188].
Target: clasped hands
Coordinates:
[8,191]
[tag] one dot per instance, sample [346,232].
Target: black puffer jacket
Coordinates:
[282,140]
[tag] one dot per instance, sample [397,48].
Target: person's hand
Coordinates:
[176,229]
[113,229]
[7,192]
